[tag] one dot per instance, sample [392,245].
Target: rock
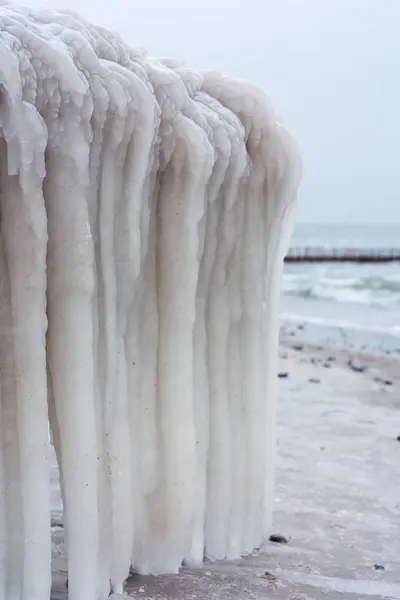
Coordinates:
[327,365]
[314,380]
[331,359]
[379,567]
[283,375]
[357,367]
[298,347]
[398,438]
[383,381]
[278,539]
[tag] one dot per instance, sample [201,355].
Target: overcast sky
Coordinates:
[330,66]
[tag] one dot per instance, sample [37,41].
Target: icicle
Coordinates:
[263,250]
[12,555]
[180,208]
[24,239]
[200,368]
[70,345]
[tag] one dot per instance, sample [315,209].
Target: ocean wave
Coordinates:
[360,284]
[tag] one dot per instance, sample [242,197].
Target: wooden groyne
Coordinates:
[357,255]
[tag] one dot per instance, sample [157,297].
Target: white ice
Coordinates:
[145,212]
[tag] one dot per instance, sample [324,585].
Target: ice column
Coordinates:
[145,210]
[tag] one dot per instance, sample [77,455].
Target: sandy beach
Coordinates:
[337,494]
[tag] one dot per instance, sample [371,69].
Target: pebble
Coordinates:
[283,375]
[357,367]
[269,576]
[379,567]
[278,539]
[298,347]
[314,380]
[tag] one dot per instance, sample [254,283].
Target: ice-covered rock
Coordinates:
[145,213]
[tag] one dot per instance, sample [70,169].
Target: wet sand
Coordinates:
[337,495]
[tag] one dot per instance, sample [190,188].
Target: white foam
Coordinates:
[393,330]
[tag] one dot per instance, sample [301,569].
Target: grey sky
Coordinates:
[330,66]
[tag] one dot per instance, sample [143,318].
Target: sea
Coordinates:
[351,303]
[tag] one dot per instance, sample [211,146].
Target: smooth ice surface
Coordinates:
[145,212]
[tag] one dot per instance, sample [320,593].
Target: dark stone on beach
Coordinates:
[283,375]
[379,567]
[298,347]
[357,367]
[383,381]
[398,438]
[278,539]
[300,327]
[327,365]
[331,359]
[314,380]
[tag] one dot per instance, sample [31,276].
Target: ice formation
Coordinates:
[145,212]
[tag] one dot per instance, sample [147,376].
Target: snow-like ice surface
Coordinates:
[145,212]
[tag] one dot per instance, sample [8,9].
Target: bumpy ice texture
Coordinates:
[145,211]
